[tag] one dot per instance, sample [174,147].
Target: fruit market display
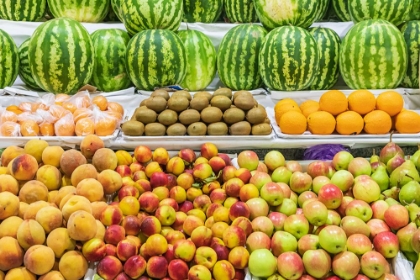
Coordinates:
[203,113]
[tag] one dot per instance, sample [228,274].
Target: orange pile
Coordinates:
[336,113]
[62,115]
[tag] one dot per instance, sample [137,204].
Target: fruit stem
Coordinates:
[374,152]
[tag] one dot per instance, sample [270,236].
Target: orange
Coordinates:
[284,106]
[101,102]
[29,128]
[8,116]
[15,109]
[349,123]
[361,101]
[321,122]
[46,129]
[334,102]
[10,129]
[81,113]
[57,111]
[60,98]
[84,127]
[308,107]
[390,101]
[69,106]
[293,122]
[407,121]
[105,125]
[377,122]
[116,107]
[64,127]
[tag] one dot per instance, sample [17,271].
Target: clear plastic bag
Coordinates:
[29,116]
[8,116]
[58,111]
[10,129]
[44,102]
[46,127]
[105,123]
[65,126]
[79,100]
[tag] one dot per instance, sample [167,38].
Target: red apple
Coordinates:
[346,265]
[300,182]
[317,168]
[396,216]
[359,244]
[331,196]
[277,219]
[290,265]
[248,159]
[376,226]
[387,244]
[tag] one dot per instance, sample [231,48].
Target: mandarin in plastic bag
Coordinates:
[10,129]
[58,111]
[39,105]
[101,102]
[69,106]
[82,113]
[116,115]
[15,109]
[85,126]
[29,128]
[116,107]
[65,126]
[105,125]
[47,129]
[60,98]
[8,116]
[25,106]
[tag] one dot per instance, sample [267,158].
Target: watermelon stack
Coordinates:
[206,11]
[373,55]
[116,7]
[25,73]
[80,10]
[109,73]
[415,11]
[61,56]
[9,60]
[341,9]
[411,33]
[22,10]
[240,11]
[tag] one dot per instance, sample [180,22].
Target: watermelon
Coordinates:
[241,11]
[373,55]
[80,10]
[275,13]
[156,58]
[341,8]
[289,59]
[328,43]
[206,11]
[322,9]
[140,15]
[415,11]
[116,7]
[24,68]
[411,33]
[394,11]
[237,59]
[61,56]
[201,60]
[9,60]
[22,10]
[110,47]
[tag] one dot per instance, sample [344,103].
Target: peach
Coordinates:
[243,223]
[201,236]
[109,267]
[157,267]
[65,180]
[175,166]
[9,226]
[221,214]
[180,218]
[137,169]
[188,155]
[191,223]
[192,193]
[94,250]
[83,171]
[208,150]
[52,275]
[136,241]
[135,266]
[97,208]
[62,192]
[128,191]
[11,153]
[3,169]
[124,157]
[33,191]
[30,233]
[151,168]
[33,209]
[112,215]
[210,187]
[111,181]
[205,256]
[23,206]
[104,158]
[39,259]
[123,170]
[73,265]
[65,199]
[174,236]
[185,180]
[9,205]
[49,218]
[81,225]
[219,228]
[218,196]
[169,202]
[52,155]
[160,155]
[149,202]
[23,167]
[52,195]
[129,205]
[100,230]
[223,270]
[161,192]
[114,234]
[75,203]
[126,249]
[90,144]
[91,189]
[11,254]
[199,272]
[19,273]
[184,249]
[60,242]
[70,160]
[150,226]
[156,245]
[8,184]
[111,250]
[178,269]
[35,148]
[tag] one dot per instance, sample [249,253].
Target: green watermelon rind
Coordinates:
[25,73]
[9,60]
[22,10]
[204,11]
[81,10]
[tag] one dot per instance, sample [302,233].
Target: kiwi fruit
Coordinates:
[261,129]
[184,93]
[233,115]
[241,92]
[133,128]
[256,115]
[160,92]
[146,115]
[211,115]
[199,103]
[223,91]
[168,117]
[222,102]
[178,103]
[189,116]
[143,102]
[197,129]
[177,129]
[267,120]
[133,117]
[219,128]
[244,102]
[206,94]
[155,129]
[240,128]
[156,103]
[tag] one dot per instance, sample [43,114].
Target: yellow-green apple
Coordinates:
[202,202]
[234,236]
[317,168]
[317,262]
[170,202]
[186,206]
[307,242]
[300,182]
[288,207]
[297,225]
[343,179]
[263,224]
[359,208]
[332,239]
[366,189]
[114,234]
[205,256]
[346,265]
[150,226]
[359,244]
[199,272]
[258,240]
[305,197]
[281,242]
[149,202]
[125,249]
[281,174]
[178,269]
[109,267]
[274,159]
[259,179]
[341,160]
[272,193]
[405,236]
[201,236]
[156,245]
[157,267]
[344,203]
[142,154]
[277,219]
[359,166]
[262,263]
[294,165]
[352,225]
[219,247]
[318,182]
[378,209]
[243,223]
[248,159]
[315,212]
[258,207]
[396,216]
[178,193]
[290,265]
[373,264]
[94,250]
[330,195]
[239,257]
[387,244]
[376,226]
[184,249]
[166,215]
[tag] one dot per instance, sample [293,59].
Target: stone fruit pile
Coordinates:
[197,216]
[220,113]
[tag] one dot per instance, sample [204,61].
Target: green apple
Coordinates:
[332,239]
[262,263]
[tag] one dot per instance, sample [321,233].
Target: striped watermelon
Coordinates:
[22,10]
[9,60]
[61,56]
[289,59]
[156,58]
[206,11]
[341,8]
[24,68]
[116,7]
[109,72]
[140,15]
[241,11]
[201,60]
[275,13]
[322,9]
[237,59]
[80,10]
[394,11]
[411,33]
[373,55]
[415,11]
[328,43]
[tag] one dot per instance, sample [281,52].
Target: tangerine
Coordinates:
[85,126]
[101,102]
[390,102]
[46,129]
[333,102]
[293,122]
[283,106]
[349,123]
[10,129]
[60,98]
[377,122]
[15,109]
[29,128]
[321,122]
[308,107]
[81,113]
[116,107]
[361,101]
[8,116]
[407,121]
[65,126]
[105,125]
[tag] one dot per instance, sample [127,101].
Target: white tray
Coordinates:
[253,92]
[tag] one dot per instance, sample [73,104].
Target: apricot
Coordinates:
[39,259]
[23,167]
[33,209]
[10,153]
[111,181]
[105,158]
[35,148]
[52,275]
[52,155]
[66,180]
[52,195]
[20,273]
[83,171]
[9,226]
[100,230]
[91,189]
[49,218]
[70,160]
[62,192]
[50,176]
[30,233]
[90,144]
[11,254]
[8,184]
[75,203]
[23,206]
[81,226]
[73,265]
[9,205]
[33,191]
[97,208]
[60,242]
